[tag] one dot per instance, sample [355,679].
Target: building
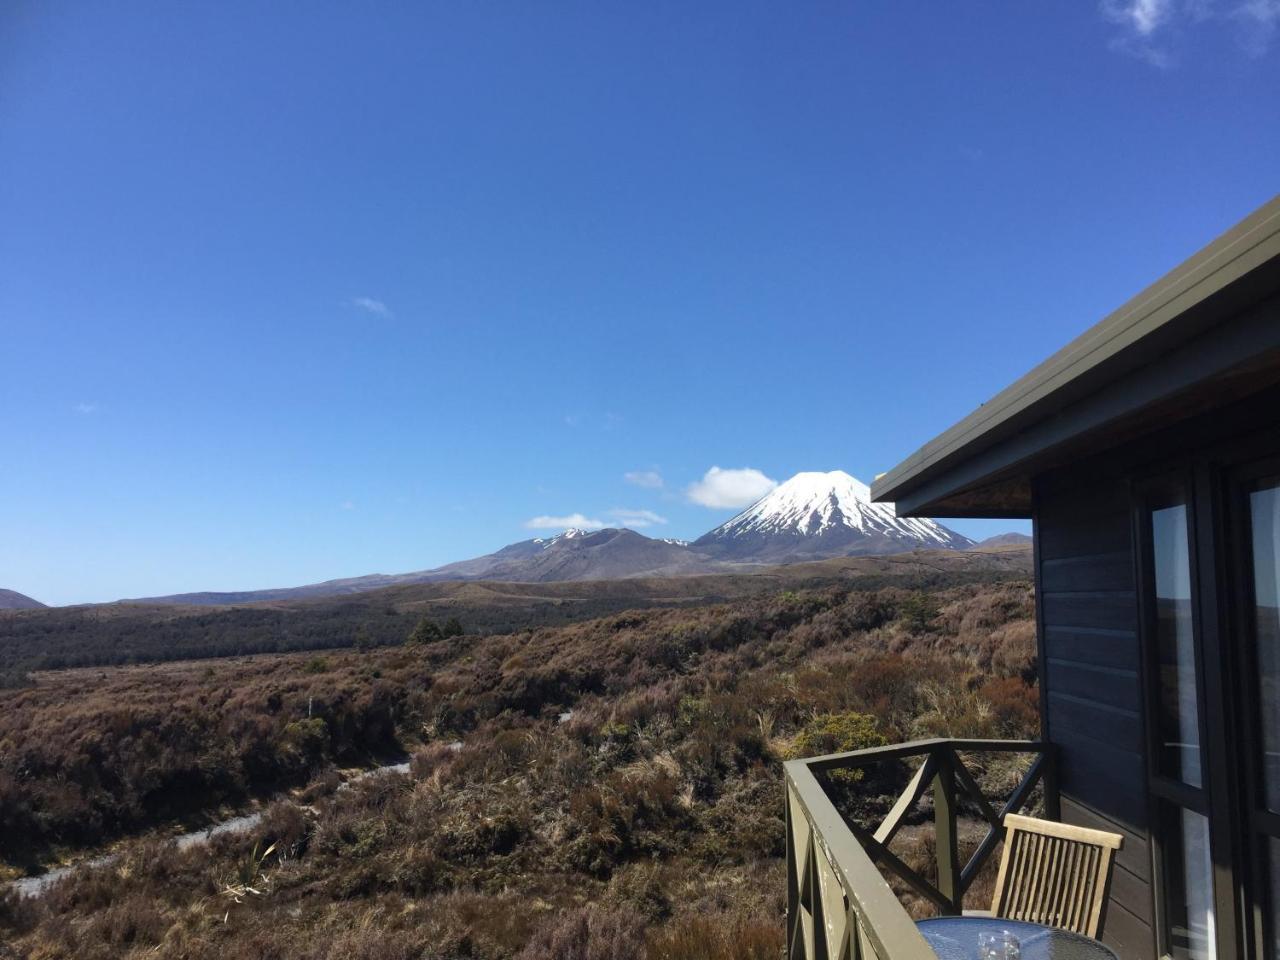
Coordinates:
[1147,454]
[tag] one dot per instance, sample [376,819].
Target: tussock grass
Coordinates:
[646,824]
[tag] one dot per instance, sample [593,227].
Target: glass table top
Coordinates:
[957,938]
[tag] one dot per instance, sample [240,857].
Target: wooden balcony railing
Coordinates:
[840,906]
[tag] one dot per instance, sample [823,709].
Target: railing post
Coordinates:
[1052,806]
[793,888]
[944,825]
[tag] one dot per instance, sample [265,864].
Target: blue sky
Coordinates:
[298,291]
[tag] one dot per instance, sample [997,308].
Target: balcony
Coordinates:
[840,904]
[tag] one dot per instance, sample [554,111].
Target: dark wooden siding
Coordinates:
[1092,691]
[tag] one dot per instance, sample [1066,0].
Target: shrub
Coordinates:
[627,762]
[322,785]
[425,632]
[307,739]
[642,888]
[421,871]
[15,680]
[1016,705]
[590,933]
[472,838]
[838,733]
[701,937]
[132,921]
[285,826]
[917,611]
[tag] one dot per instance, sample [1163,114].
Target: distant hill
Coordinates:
[813,516]
[572,555]
[12,600]
[137,632]
[1003,540]
[582,555]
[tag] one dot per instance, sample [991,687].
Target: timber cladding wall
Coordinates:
[1085,579]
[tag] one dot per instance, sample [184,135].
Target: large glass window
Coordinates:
[1260,656]
[1264,512]
[1210,578]
[1273,912]
[1188,885]
[1176,711]
[1179,719]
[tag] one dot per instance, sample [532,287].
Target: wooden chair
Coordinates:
[1054,873]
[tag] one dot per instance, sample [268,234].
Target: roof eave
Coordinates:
[1166,314]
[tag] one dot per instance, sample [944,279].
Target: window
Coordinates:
[1272,935]
[1188,885]
[1179,718]
[1208,545]
[1258,530]
[1264,515]
[1175,697]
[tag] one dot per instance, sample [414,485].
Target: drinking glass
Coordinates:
[999,945]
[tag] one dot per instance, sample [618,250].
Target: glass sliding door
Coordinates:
[1264,529]
[1175,723]
[1188,883]
[1271,932]
[1208,546]
[1258,500]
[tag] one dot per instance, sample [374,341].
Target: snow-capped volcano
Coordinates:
[813,516]
[823,515]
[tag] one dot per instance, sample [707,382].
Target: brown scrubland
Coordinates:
[131,632]
[610,788]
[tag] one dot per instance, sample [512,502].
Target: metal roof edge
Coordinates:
[1245,246]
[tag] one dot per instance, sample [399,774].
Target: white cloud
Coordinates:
[722,489]
[370,305]
[619,517]
[594,421]
[85,408]
[564,523]
[1143,16]
[1142,25]
[1152,30]
[649,479]
[636,518]
[1262,11]
[1260,20]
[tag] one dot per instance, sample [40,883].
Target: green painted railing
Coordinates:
[839,904]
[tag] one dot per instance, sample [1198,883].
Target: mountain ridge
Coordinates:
[13,600]
[1002,540]
[812,516]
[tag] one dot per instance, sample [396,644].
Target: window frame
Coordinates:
[1165,793]
[1257,822]
[1215,477]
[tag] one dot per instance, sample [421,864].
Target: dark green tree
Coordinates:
[453,627]
[425,632]
[364,643]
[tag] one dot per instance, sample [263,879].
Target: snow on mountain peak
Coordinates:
[569,534]
[814,504]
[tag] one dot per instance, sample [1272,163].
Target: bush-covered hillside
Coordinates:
[609,788]
[114,634]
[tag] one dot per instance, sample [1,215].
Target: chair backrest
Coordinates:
[1054,873]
